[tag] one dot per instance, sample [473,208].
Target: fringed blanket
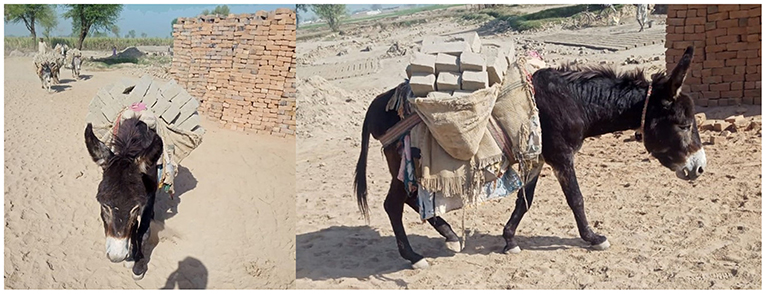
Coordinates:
[460,156]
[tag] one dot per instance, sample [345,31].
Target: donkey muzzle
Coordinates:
[117,249]
[694,167]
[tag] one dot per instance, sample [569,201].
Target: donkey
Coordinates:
[574,104]
[76,63]
[127,189]
[46,76]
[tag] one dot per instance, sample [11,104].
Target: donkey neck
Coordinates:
[618,108]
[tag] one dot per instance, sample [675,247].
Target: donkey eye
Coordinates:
[685,127]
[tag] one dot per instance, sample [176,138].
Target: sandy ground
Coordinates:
[665,233]
[230,226]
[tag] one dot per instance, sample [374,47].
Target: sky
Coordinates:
[154,20]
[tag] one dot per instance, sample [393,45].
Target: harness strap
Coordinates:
[640,132]
[399,129]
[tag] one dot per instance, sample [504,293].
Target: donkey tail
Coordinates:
[360,175]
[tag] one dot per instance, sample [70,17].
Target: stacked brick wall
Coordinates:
[726,69]
[241,68]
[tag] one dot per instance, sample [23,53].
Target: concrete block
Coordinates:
[451,48]
[447,63]
[497,65]
[474,80]
[472,61]
[423,63]
[422,84]
[473,40]
[448,81]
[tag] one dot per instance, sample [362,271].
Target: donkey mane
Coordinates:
[585,73]
[133,137]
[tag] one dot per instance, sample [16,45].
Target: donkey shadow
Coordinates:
[362,253]
[60,88]
[191,274]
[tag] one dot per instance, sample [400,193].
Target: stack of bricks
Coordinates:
[726,69]
[449,68]
[241,68]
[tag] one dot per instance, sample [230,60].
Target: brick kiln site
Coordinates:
[241,67]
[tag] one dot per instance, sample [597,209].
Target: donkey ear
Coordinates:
[97,149]
[151,154]
[679,73]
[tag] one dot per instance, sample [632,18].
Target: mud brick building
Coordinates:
[726,69]
[241,68]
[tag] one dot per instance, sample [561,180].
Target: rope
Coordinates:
[640,133]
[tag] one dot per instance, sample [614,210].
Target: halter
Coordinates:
[640,133]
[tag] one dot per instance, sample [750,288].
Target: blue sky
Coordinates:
[154,20]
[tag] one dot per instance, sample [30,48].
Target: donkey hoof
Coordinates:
[138,277]
[454,246]
[421,264]
[603,246]
[514,250]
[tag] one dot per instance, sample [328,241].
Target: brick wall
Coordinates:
[241,68]
[726,69]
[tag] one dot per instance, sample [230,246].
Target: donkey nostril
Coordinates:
[700,170]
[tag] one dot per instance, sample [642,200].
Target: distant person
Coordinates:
[42,47]
[642,16]
[114,51]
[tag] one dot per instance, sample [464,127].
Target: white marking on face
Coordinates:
[117,249]
[694,167]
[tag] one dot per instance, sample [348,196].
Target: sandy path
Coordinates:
[230,226]
[665,233]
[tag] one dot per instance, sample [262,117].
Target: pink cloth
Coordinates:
[138,107]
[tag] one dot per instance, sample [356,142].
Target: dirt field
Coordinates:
[231,224]
[665,233]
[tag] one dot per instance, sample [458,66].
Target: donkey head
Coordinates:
[670,131]
[130,176]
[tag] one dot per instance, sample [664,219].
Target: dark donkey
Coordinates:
[574,104]
[127,189]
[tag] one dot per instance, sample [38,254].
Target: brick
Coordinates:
[720,71]
[736,46]
[712,63]
[698,30]
[738,13]
[727,23]
[726,40]
[753,61]
[689,29]
[695,21]
[733,78]
[749,53]
[451,48]
[423,63]
[719,87]
[753,38]
[497,65]
[711,95]
[712,9]
[749,85]
[715,33]
[472,62]
[448,81]
[715,48]
[739,70]
[474,80]
[473,41]
[718,16]
[728,7]
[732,94]
[755,12]
[422,84]
[735,62]
[447,63]
[680,14]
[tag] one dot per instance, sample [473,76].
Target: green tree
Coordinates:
[222,10]
[376,7]
[115,30]
[172,23]
[332,13]
[205,12]
[31,14]
[131,34]
[143,35]
[298,9]
[88,18]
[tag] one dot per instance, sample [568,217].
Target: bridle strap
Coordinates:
[640,133]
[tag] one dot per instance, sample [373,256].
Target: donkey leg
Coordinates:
[568,181]
[394,206]
[509,231]
[141,264]
[441,226]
